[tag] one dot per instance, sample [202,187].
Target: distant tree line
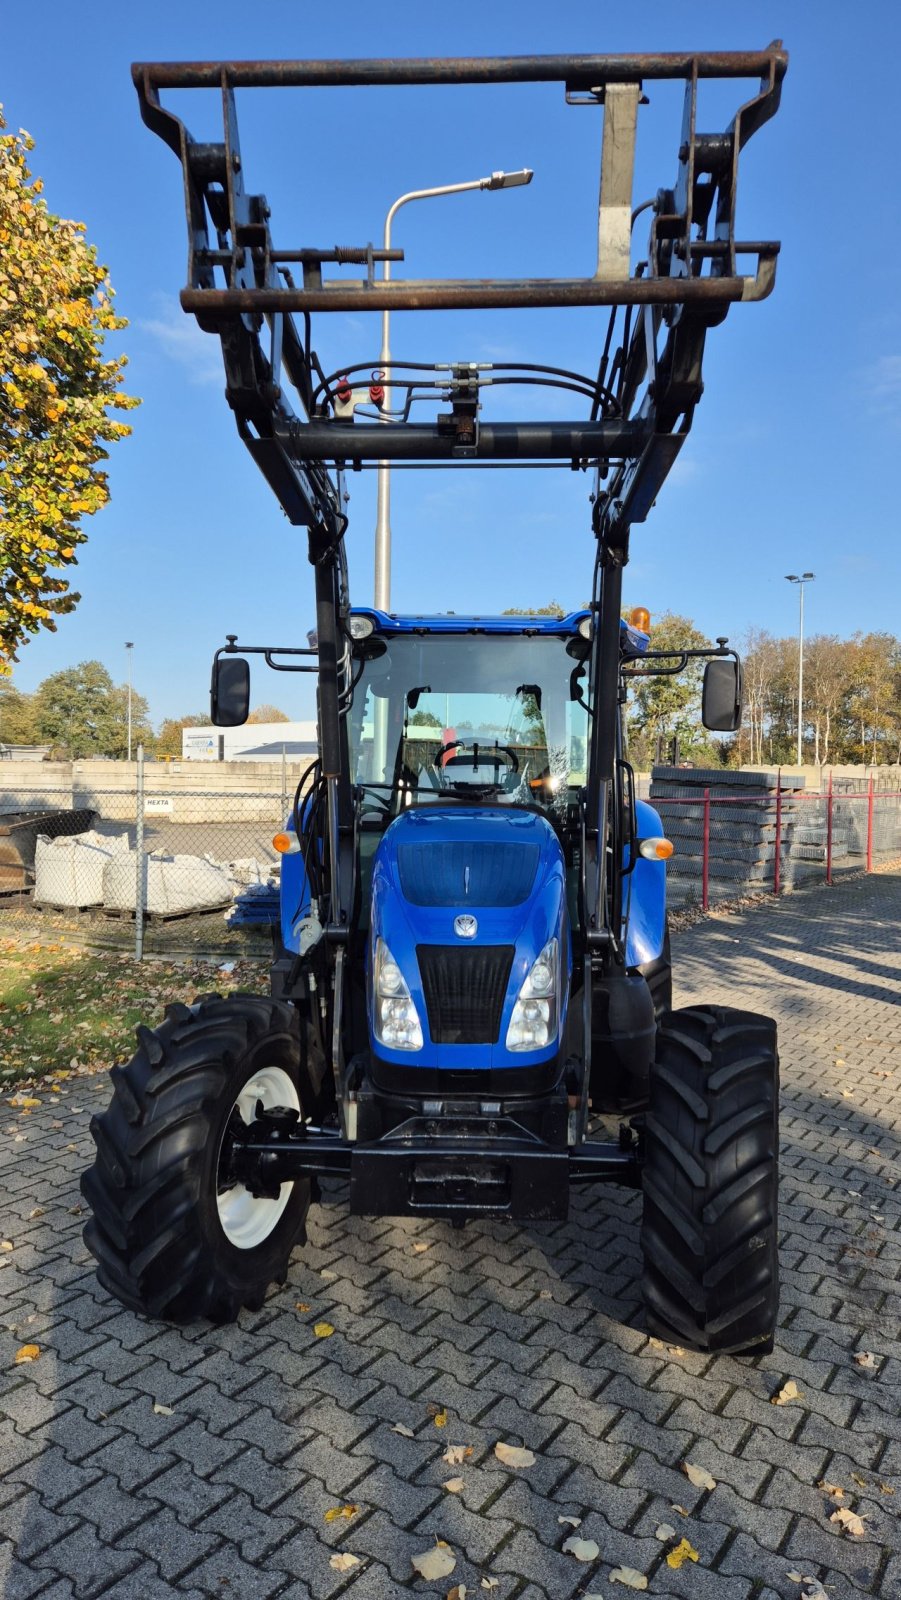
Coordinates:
[81,713]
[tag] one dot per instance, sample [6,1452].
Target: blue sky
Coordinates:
[790,465]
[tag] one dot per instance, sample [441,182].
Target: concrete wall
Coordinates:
[222,791]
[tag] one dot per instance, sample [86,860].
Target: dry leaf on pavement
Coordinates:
[453,1485]
[582,1549]
[343,1561]
[456,1454]
[438,1562]
[664,1532]
[403,1430]
[865,1358]
[834,1490]
[699,1476]
[458,1592]
[684,1551]
[301,1305]
[787,1393]
[440,1419]
[629,1577]
[850,1522]
[337,1513]
[28,1352]
[323,1330]
[162,1411]
[573,1522]
[6,1244]
[513,1455]
[418,1249]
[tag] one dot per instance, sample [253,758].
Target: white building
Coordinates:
[256,741]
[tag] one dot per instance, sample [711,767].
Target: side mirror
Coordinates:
[721,698]
[230,691]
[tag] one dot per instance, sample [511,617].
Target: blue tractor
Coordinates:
[472,974]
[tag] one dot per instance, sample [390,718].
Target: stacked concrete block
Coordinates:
[742,842]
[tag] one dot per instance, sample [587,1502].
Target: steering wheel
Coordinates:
[489,751]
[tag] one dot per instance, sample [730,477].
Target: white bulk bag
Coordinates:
[68,872]
[173,885]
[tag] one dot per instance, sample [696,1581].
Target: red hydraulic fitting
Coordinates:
[377,393]
[344,390]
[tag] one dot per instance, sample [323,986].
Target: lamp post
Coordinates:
[129,646]
[497,180]
[800,580]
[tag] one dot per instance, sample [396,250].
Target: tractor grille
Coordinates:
[464,991]
[467,873]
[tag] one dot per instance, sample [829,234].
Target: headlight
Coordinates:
[395,1020]
[533,1025]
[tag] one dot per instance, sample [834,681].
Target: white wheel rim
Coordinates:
[247,1219]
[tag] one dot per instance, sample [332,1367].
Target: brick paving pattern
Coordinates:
[530,1335]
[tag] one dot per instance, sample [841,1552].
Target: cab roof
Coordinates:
[451,622]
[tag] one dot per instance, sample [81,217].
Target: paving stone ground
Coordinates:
[532,1335]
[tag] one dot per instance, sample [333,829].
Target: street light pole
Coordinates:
[129,646]
[805,577]
[497,180]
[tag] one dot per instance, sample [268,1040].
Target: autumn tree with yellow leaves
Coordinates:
[55,312]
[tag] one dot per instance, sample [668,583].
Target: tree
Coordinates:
[552,609]
[16,715]
[80,712]
[55,312]
[267,714]
[671,706]
[168,742]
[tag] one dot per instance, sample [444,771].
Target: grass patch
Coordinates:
[66,1012]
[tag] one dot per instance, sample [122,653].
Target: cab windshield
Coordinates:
[470,716]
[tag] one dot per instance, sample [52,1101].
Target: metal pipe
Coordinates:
[473,294]
[576,71]
[415,441]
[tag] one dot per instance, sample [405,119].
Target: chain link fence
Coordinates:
[156,860]
[160,863]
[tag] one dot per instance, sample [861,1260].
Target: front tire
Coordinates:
[172,1239]
[709,1229]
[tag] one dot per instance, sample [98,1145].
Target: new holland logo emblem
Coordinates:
[465,927]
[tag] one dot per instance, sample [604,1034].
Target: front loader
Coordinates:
[472,974]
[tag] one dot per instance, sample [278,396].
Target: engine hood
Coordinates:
[489,881]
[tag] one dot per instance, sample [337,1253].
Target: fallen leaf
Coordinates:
[328,1275]
[834,1490]
[513,1455]
[787,1393]
[418,1250]
[323,1330]
[681,1510]
[438,1562]
[847,1095]
[453,1485]
[699,1476]
[440,1419]
[6,1244]
[343,1561]
[865,1358]
[862,1483]
[336,1513]
[664,1532]
[683,1552]
[850,1522]
[162,1411]
[36,1211]
[458,1592]
[582,1549]
[572,1522]
[455,1454]
[301,1305]
[629,1577]
[405,1432]
[28,1352]
[545,1294]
